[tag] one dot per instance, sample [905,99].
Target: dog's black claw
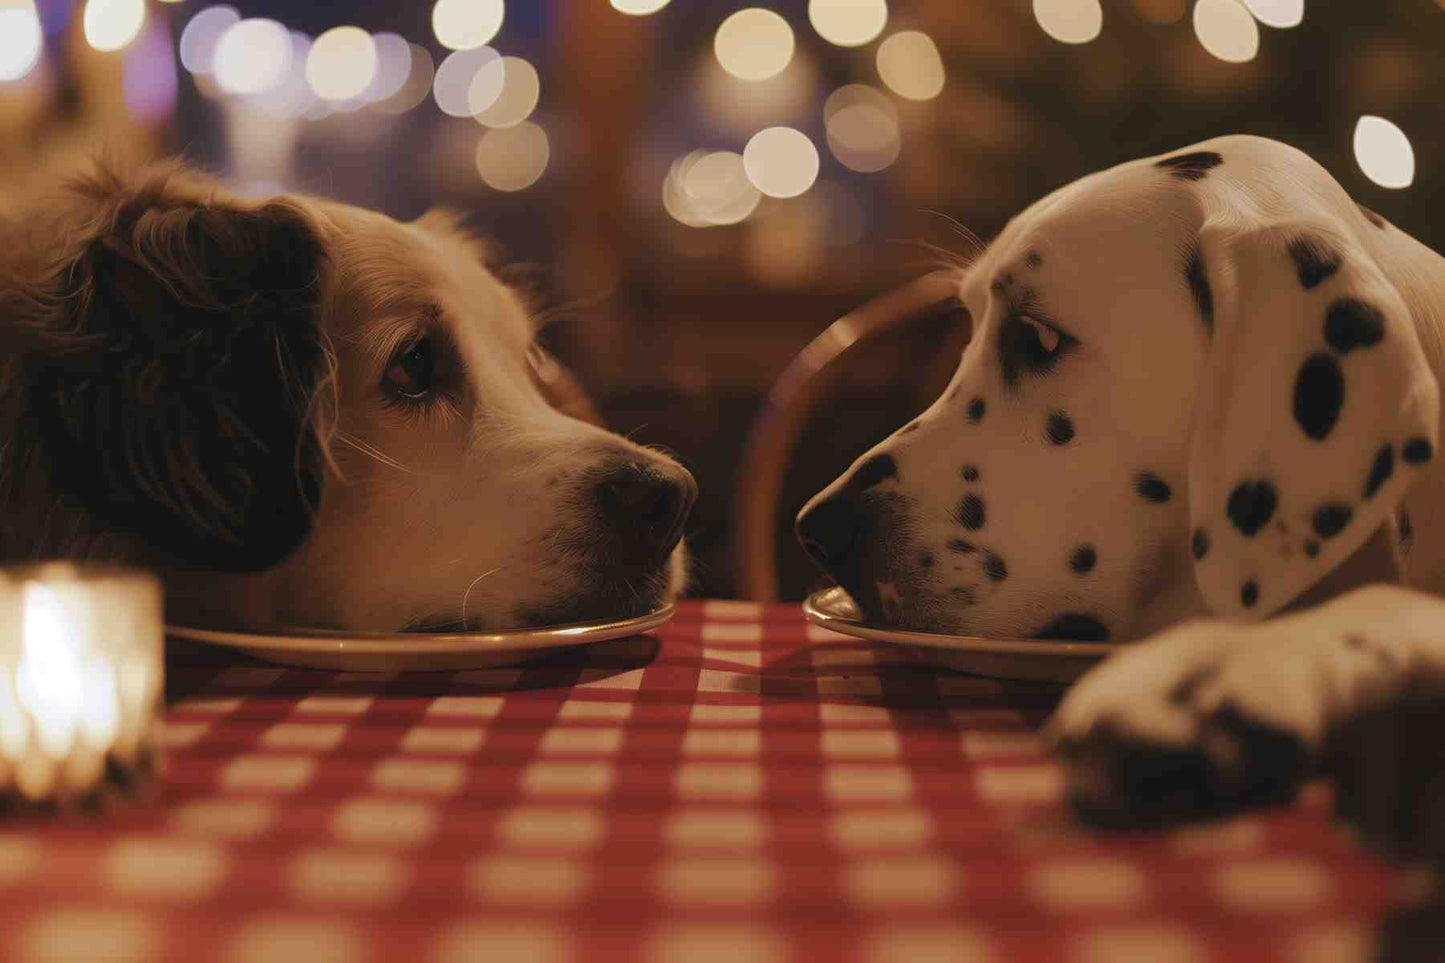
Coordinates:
[1389,770]
[1119,781]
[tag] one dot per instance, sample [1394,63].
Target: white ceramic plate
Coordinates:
[1032,659]
[412,651]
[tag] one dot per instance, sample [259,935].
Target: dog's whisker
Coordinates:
[467,594]
[370,450]
[962,230]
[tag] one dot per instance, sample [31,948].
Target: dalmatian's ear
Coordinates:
[1316,408]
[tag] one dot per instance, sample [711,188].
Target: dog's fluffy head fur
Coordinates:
[305,413]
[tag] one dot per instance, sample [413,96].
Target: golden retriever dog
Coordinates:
[303,413]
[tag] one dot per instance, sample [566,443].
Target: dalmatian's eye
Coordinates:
[1048,337]
[1028,345]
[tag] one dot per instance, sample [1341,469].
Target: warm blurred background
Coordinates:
[705,185]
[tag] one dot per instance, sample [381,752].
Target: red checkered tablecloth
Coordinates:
[739,787]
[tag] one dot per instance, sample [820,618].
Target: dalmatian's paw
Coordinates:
[1214,715]
[1179,727]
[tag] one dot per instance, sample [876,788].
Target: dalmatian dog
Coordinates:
[1200,390]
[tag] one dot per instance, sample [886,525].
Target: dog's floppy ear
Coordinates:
[171,373]
[1316,407]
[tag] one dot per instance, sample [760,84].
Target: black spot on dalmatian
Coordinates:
[1330,519]
[1380,469]
[1312,548]
[1061,428]
[970,473]
[1191,167]
[1151,487]
[1314,260]
[976,409]
[961,545]
[1034,259]
[994,567]
[970,513]
[1074,627]
[1199,544]
[1249,594]
[1251,505]
[1319,394]
[1198,281]
[909,428]
[1406,529]
[1417,451]
[925,560]
[1373,218]
[1083,559]
[1351,323]
[877,469]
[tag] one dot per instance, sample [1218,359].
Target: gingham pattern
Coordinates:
[743,787]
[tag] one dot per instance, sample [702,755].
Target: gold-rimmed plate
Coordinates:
[419,651]
[1036,660]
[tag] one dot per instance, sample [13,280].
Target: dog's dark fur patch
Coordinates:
[1380,469]
[875,470]
[1330,519]
[961,545]
[970,473]
[1312,548]
[1191,167]
[1251,505]
[1199,544]
[1034,259]
[1417,451]
[175,348]
[1314,260]
[1151,487]
[1319,394]
[1198,280]
[976,409]
[1083,559]
[1351,323]
[1249,594]
[994,566]
[1060,428]
[970,513]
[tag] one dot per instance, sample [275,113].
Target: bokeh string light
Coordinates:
[1227,30]
[848,23]
[639,8]
[1280,14]
[252,56]
[709,189]
[1384,152]
[513,158]
[20,40]
[341,64]
[393,67]
[455,77]
[466,24]
[909,63]
[521,88]
[202,33]
[781,161]
[862,126]
[754,44]
[113,24]
[1070,21]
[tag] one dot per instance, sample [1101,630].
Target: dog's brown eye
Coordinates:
[412,372]
[1048,337]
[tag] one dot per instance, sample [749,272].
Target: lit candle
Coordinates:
[81,668]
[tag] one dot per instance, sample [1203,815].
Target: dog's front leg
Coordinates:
[1214,715]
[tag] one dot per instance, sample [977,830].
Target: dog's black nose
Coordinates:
[647,504]
[829,529]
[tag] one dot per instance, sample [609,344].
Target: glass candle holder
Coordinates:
[81,673]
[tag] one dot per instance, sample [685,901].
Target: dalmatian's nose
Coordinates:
[829,530]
